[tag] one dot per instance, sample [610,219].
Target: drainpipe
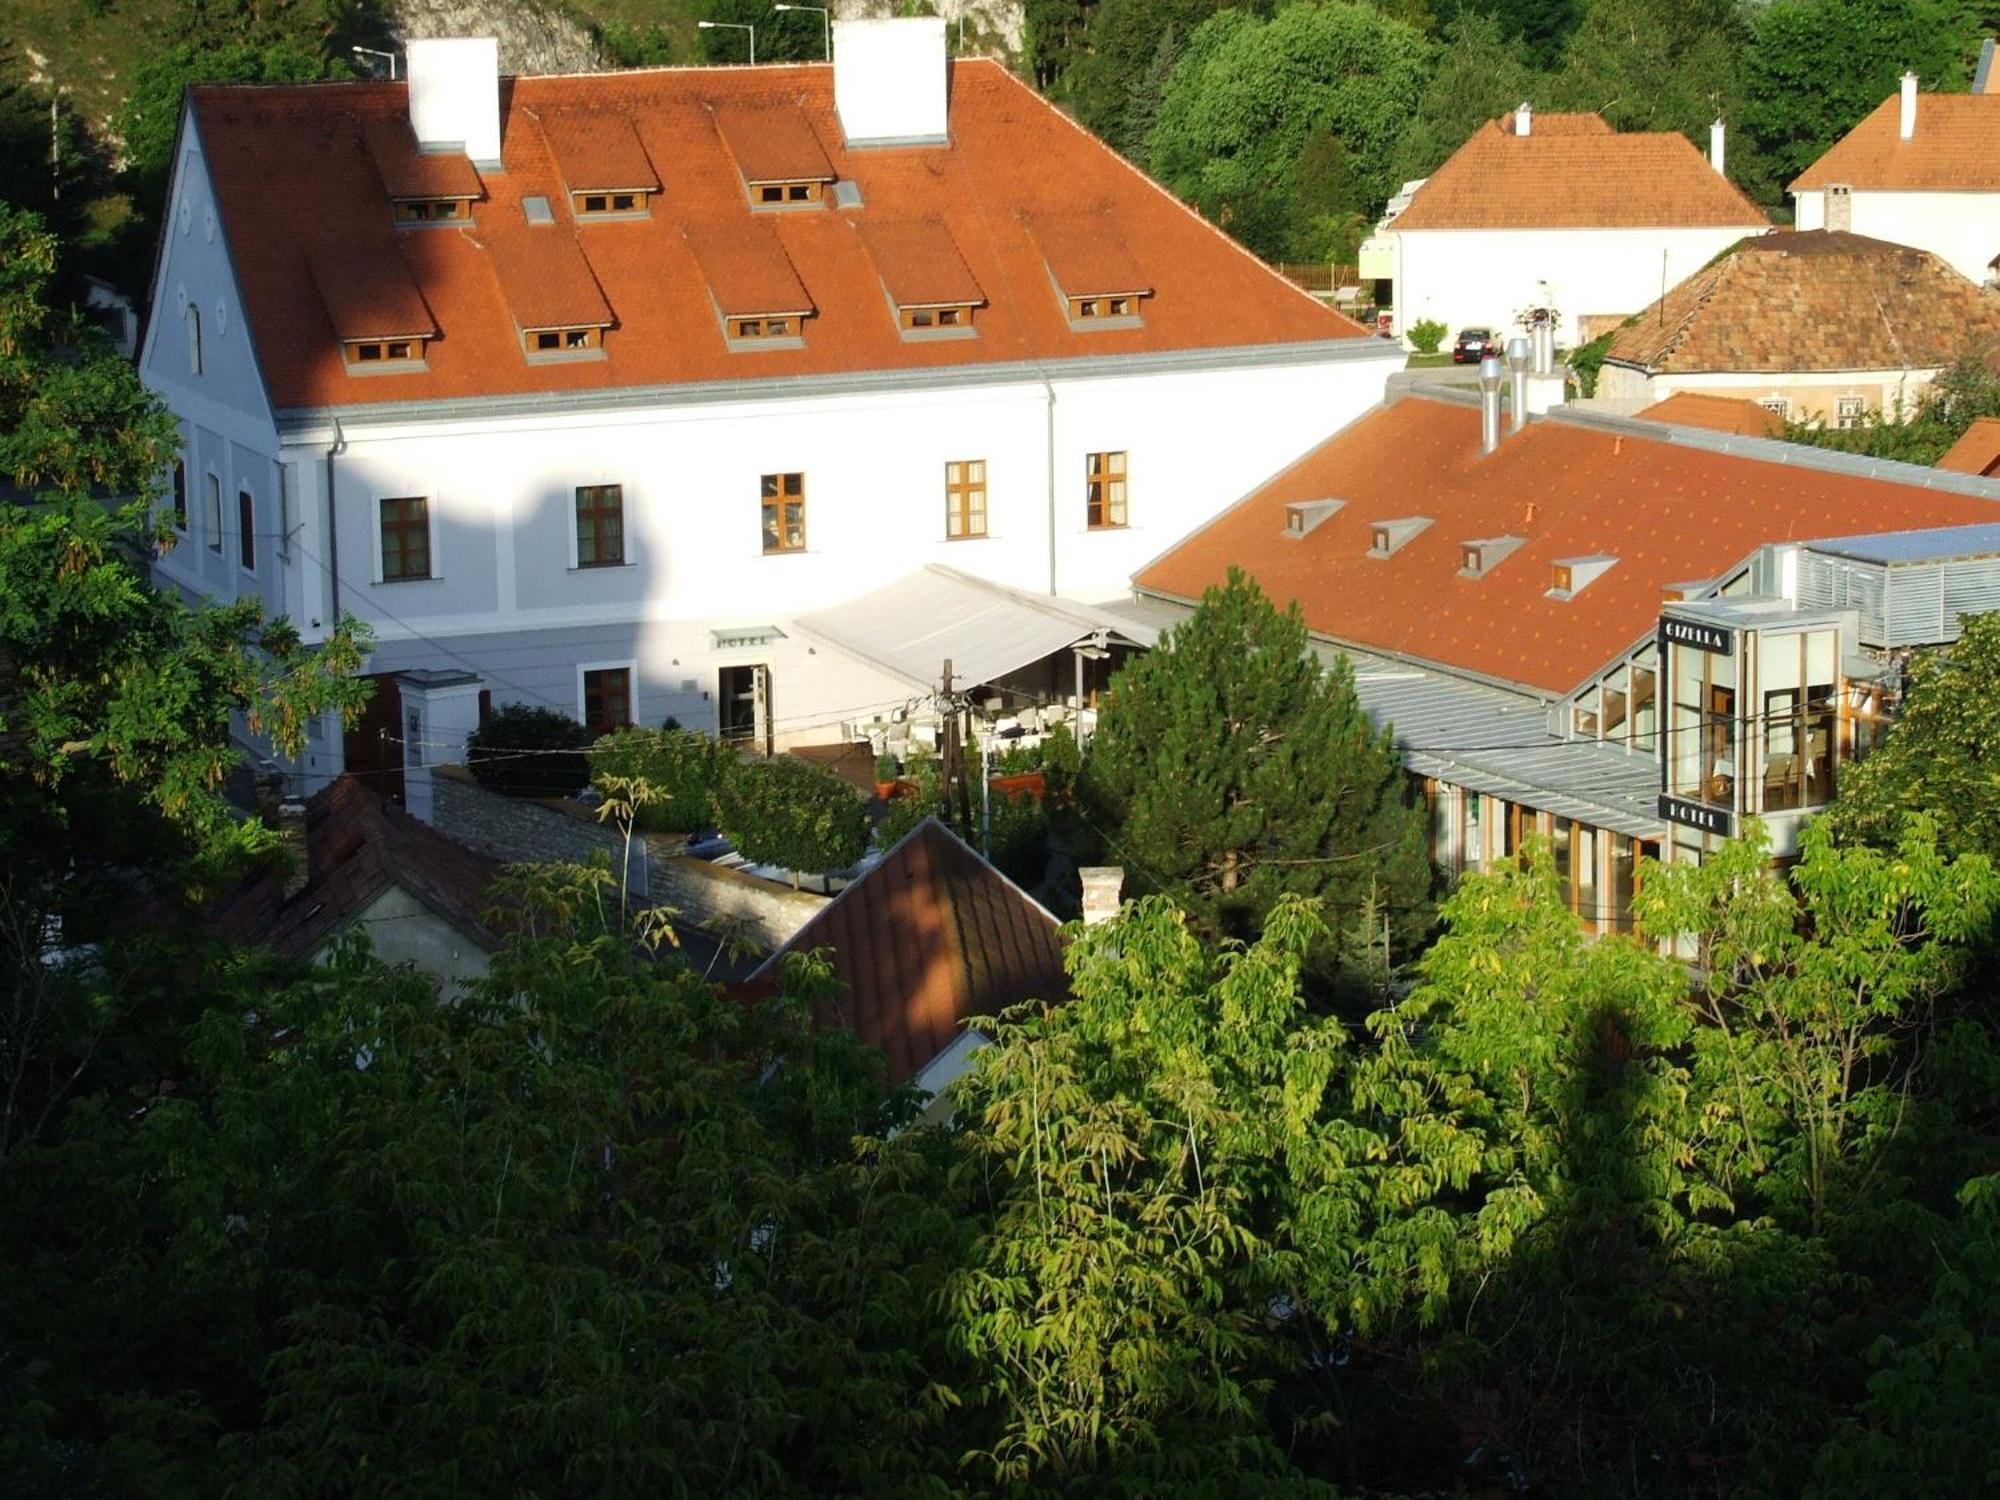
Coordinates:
[338,445]
[1050,446]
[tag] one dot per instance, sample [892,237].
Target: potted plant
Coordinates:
[885,775]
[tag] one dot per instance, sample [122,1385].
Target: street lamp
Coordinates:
[826,23]
[733,26]
[390,57]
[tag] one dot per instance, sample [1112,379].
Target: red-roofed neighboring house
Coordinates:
[1559,210]
[1625,636]
[1922,170]
[930,938]
[589,384]
[1978,452]
[419,895]
[1735,414]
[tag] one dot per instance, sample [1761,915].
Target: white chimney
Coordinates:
[455,95]
[1524,118]
[1909,105]
[1103,885]
[889,80]
[1715,148]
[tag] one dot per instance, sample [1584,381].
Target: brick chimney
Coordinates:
[1103,885]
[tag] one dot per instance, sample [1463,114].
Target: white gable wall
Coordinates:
[1961,228]
[1488,277]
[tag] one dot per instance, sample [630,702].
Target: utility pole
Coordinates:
[948,715]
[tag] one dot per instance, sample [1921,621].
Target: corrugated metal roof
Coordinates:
[1936,544]
[913,625]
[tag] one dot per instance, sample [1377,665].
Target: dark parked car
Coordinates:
[1473,345]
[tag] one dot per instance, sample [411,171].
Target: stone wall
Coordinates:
[535,832]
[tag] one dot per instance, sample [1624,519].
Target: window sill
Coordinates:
[786,552]
[391,367]
[414,578]
[562,356]
[1104,325]
[1110,526]
[759,346]
[603,567]
[971,536]
[936,335]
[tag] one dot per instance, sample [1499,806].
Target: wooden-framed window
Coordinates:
[406,538]
[597,205]
[361,352]
[1104,491]
[600,525]
[965,498]
[935,317]
[607,699]
[180,495]
[561,340]
[782,326]
[246,531]
[775,194]
[212,511]
[784,497]
[1124,305]
[432,210]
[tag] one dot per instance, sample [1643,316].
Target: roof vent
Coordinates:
[1479,557]
[1570,576]
[455,95]
[1389,536]
[889,81]
[1301,516]
[536,207]
[846,194]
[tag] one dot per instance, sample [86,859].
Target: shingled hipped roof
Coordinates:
[294,181]
[1575,172]
[1954,148]
[1667,511]
[1821,300]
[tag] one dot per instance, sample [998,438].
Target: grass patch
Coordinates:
[1427,361]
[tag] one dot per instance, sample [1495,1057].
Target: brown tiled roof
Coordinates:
[1734,414]
[360,846]
[1668,512]
[367,292]
[772,143]
[929,938]
[1086,254]
[1955,148]
[1978,452]
[919,264]
[1574,172]
[291,177]
[746,269]
[544,279]
[1821,300]
[407,172]
[598,151]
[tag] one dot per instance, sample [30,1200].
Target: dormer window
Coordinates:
[1301,516]
[956,316]
[783,327]
[1478,558]
[781,194]
[433,210]
[1097,309]
[1570,576]
[550,341]
[364,353]
[1389,537]
[632,203]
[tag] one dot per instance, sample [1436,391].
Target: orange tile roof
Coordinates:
[597,151]
[291,177]
[929,938]
[1574,172]
[772,143]
[1086,254]
[1978,452]
[407,172]
[368,294]
[544,279]
[746,269]
[1715,414]
[919,263]
[1669,512]
[1819,300]
[1955,148]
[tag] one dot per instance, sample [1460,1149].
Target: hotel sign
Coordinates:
[1696,815]
[1699,637]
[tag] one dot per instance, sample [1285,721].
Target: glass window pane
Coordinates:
[1475,830]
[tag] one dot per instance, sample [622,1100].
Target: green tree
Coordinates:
[793,814]
[1116,81]
[1817,67]
[1230,767]
[1655,65]
[1249,94]
[684,769]
[1481,74]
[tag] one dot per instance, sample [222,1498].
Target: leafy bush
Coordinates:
[684,769]
[792,814]
[1426,334]
[1588,359]
[529,752]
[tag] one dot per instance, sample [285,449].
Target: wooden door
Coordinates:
[373,748]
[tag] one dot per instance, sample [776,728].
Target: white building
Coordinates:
[1560,211]
[592,385]
[1922,170]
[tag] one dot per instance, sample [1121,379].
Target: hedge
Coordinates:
[790,813]
[684,769]
[529,752]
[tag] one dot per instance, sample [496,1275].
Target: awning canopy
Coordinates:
[912,626]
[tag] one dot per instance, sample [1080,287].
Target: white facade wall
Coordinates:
[1961,228]
[1485,278]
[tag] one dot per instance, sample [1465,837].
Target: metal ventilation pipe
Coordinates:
[1518,355]
[1545,346]
[1489,403]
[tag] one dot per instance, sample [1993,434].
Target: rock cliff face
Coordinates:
[992,27]
[534,38]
